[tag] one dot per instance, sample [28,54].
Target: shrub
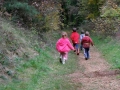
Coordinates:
[21,12]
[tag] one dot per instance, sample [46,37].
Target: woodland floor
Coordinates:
[96,74]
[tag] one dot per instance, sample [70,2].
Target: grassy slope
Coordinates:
[41,72]
[110,49]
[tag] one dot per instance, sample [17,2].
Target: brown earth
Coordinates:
[96,73]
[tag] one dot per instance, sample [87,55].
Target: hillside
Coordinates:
[16,44]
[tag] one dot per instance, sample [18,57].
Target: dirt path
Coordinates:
[96,73]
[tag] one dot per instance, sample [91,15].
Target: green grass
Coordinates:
[44,72]
[110,49]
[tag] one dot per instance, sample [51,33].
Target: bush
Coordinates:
[22,12]
[105,26]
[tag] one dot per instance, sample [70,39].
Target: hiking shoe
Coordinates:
[74,50]
[86,58]
[60,60]
[77,53]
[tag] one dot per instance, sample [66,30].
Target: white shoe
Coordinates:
[63,61]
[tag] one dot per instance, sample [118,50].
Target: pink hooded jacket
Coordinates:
[64,45]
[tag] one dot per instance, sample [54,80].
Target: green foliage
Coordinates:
[24,14]
[93,7]
[111,12]
[70,2]
[40,15]
[28,10]
[117,2]
[89,9]
[108,23]
[105,26]
[70,10]
[16,6]
[51,12]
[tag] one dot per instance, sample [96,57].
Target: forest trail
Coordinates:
[95,74]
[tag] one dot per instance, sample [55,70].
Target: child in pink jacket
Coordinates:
[63,46]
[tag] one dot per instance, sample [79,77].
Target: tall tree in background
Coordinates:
[70,11]
[76,11]
[89,9]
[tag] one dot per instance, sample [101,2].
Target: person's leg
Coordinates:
[61,56]
[88,53]
[77,48]
[85,53]
[78,51]
[64,57]
[74,45]
[81,48]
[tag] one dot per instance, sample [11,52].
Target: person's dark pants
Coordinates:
[81,47]
[86,53]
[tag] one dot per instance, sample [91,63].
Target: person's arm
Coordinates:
[70,45]
[91,42]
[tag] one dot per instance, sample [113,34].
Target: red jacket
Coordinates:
[86,42]
[75,37]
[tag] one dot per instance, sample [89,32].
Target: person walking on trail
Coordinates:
[81,37]
[86,42]
[63,46]
[75,36]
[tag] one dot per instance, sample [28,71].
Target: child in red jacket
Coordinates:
[75,40]
[86,42]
